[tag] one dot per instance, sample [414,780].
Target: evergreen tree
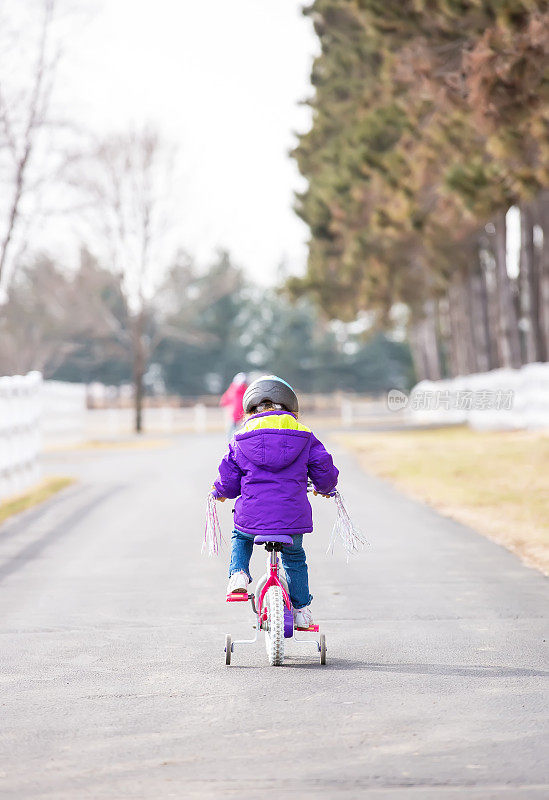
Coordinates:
[430,120]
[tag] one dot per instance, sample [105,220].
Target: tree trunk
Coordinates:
[418,356]
[464,359]
[488,287]
[541,280]
[424,344]
[138,346]
[431,341]
[508,332]
[444,336]
[447,328]
[456,352]
[478,302]
[491,348]
[467,322]
[529,310]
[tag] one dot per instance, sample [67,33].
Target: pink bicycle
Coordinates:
[273,609]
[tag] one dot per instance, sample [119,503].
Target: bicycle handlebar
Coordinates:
[311,488]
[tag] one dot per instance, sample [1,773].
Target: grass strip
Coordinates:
[495,482]
[111,444]
[38,494]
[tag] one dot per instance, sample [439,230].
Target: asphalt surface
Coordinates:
[113,682]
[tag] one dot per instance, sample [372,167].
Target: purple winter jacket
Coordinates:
[267,464]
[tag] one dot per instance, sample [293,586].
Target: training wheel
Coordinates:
[322,648]
[228,648]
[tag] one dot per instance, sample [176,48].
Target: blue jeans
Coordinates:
[293,561]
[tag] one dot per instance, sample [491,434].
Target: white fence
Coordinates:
[20,409]
[497,400]
[31,411]
[64,412]
[357,411]
[115,422]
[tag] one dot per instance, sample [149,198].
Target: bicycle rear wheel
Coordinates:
[274,631]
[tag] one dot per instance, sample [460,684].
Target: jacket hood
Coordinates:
[272,440]
[272,450]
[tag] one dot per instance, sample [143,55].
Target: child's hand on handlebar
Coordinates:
[320,493]
[221,499]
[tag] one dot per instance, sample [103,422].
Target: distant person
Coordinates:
[233,400]
[267,467]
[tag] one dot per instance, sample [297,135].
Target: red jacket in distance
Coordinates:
[233,398]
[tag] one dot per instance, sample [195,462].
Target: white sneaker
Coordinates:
[303,617]
[238,582]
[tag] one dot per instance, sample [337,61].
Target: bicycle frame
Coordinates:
[273,580]
[260,611]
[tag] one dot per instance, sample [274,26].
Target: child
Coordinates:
[267,467]
[233,399]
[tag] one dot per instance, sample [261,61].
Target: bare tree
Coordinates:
[33,325]
[29,51]
[128,181]
[52,316]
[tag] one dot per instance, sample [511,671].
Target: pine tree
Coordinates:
[430,120]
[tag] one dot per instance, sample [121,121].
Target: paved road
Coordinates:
[112,629]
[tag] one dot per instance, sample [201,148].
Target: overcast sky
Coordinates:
[223,79]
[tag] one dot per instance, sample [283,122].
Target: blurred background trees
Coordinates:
[201,326]
[430,123]
[427,161]
[72,325]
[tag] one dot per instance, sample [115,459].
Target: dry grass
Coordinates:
[495,482]
[41,492]
[136,443]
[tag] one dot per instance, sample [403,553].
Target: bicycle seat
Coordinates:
[281,538]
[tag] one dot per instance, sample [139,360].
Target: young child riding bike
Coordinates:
[267,466]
